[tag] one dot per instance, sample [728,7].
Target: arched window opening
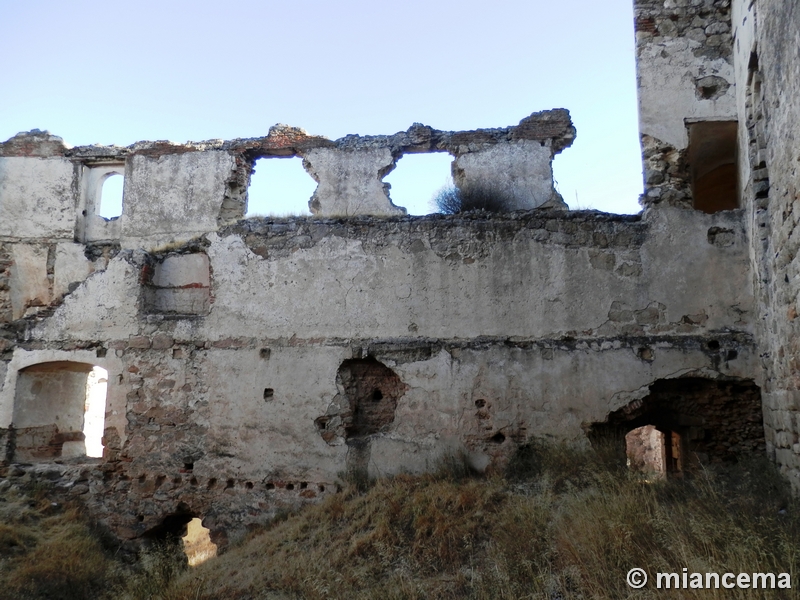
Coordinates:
[59,411]
[279,187]
[110,205]
[418,179]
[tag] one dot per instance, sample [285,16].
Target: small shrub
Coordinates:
[452,200]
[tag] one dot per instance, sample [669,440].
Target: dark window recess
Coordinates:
[685,421]
[498,438]
[713,165]
[268,393]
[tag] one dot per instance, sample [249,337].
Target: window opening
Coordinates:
[713,165]
[279,187]
[59,410]
[95,411]
[110,206]
[417,179]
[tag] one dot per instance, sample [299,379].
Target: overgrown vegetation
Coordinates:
[562,524]
[49,551]
[451,200]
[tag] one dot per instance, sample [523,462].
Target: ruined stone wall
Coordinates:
[768,83]
[253,363]
[701,63]
[685,75]
[498,329]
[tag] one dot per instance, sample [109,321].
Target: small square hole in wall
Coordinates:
[265,353]
[268,394]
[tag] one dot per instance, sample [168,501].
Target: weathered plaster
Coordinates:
[169,199]
[229,342]
[349,183]
[520,173]
[38,197]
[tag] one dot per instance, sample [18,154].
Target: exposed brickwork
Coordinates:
[33,143]
[718,420]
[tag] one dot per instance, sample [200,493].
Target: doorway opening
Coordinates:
[59,411]
[654,453]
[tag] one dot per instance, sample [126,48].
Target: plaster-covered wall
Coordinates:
[252,363]
[498,328]
[741,60]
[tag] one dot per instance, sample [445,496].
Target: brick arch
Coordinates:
[716,419]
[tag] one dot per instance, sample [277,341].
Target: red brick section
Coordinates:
[33,143]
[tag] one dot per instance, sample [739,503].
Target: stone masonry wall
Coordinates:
[685,74]
[768,67]
[491,330]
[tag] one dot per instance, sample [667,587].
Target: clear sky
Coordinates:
[118,72]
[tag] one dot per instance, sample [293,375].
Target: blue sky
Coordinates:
[116,73]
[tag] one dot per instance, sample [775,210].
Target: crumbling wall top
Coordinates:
[554,126]
[35,143]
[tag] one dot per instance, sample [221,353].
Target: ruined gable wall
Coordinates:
[685,74]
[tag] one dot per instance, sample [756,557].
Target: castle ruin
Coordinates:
[250,364]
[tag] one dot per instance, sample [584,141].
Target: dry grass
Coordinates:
[567,525]
[47,551]
[563,524]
